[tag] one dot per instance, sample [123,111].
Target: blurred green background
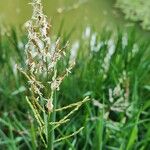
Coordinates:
[75,13]
[98,30]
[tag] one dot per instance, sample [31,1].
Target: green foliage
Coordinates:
[137,10]
[110,122]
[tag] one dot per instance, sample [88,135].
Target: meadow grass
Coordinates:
[113,69]
[43,56]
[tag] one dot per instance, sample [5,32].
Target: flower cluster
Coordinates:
[44,77]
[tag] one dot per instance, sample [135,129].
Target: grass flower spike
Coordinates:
[42,57]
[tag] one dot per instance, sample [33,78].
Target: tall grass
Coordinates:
[44,77]
[113,69]
[107,125]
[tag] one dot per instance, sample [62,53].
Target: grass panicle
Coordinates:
[42,57]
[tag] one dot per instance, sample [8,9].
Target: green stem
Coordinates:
[51,132]
[33,136]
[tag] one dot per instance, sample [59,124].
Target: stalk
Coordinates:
[50,130]
[43,77]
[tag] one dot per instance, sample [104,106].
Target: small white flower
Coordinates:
[107,59]
[124,40]
[87,32]
[111,99]
[74,51]
[135,49]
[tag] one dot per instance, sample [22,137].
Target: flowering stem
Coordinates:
[50,130]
